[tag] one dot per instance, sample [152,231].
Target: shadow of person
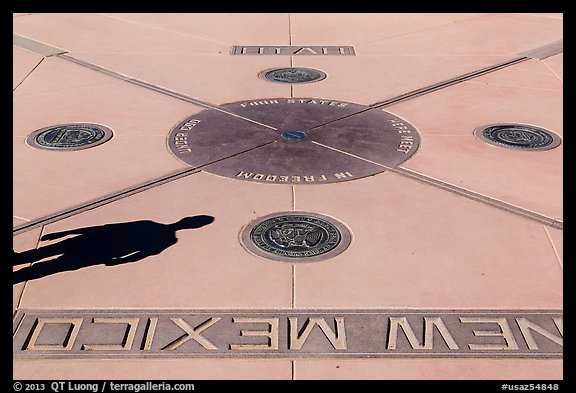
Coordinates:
[110,244]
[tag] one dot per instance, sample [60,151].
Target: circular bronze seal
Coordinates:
[518,136]
[293,75]
[296,237]
[295,141]
[74,136]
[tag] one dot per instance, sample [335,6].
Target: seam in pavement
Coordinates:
[553,72]
[26,282]
[291,57]
[289,32]
[293,286]
[554,248]
[28,74]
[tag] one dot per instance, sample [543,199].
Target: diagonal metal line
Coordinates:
[540,218]
[546,51]
[37,47]
[121,194]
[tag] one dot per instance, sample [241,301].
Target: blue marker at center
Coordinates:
[293,135]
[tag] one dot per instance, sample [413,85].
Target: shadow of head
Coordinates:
[193,222]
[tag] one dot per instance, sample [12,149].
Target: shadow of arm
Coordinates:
[133,257]
[58,235]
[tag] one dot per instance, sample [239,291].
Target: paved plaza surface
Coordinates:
[288,196]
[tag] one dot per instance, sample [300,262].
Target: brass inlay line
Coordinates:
[37,47]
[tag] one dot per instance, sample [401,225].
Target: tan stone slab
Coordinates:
[146,369]
[206,268]
[437,369]
[140,125]
[477,36]
[228,28]
[371,79]
[20,243]
[556,64]
[342,28]
[23,62]
[104,33]
[417,246]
